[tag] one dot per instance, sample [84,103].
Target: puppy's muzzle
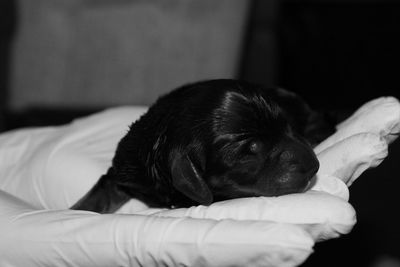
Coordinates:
[297,165]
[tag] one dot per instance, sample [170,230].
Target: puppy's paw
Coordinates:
[380,116]
[349,158]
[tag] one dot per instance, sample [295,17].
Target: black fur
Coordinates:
[211,141]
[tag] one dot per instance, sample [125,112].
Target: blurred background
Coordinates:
[60,59]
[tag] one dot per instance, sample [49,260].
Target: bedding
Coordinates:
[43,171]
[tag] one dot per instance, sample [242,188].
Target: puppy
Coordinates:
[211,141]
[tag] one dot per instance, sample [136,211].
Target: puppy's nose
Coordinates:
[301,158]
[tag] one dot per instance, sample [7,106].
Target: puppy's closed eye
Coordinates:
[255,147]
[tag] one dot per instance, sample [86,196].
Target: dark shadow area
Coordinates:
[339,55]
[7,30]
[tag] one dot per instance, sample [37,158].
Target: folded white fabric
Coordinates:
[44,171]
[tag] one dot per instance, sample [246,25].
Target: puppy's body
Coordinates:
[211,141]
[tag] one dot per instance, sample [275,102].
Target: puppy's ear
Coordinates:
[187,179]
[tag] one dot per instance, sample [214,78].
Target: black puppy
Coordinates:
[212,141]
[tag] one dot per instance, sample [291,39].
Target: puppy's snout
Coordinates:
[300,158]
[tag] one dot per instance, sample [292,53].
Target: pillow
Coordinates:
[44,171]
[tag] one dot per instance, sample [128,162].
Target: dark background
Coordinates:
[337,55]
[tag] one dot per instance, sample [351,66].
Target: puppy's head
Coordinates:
[242,145]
